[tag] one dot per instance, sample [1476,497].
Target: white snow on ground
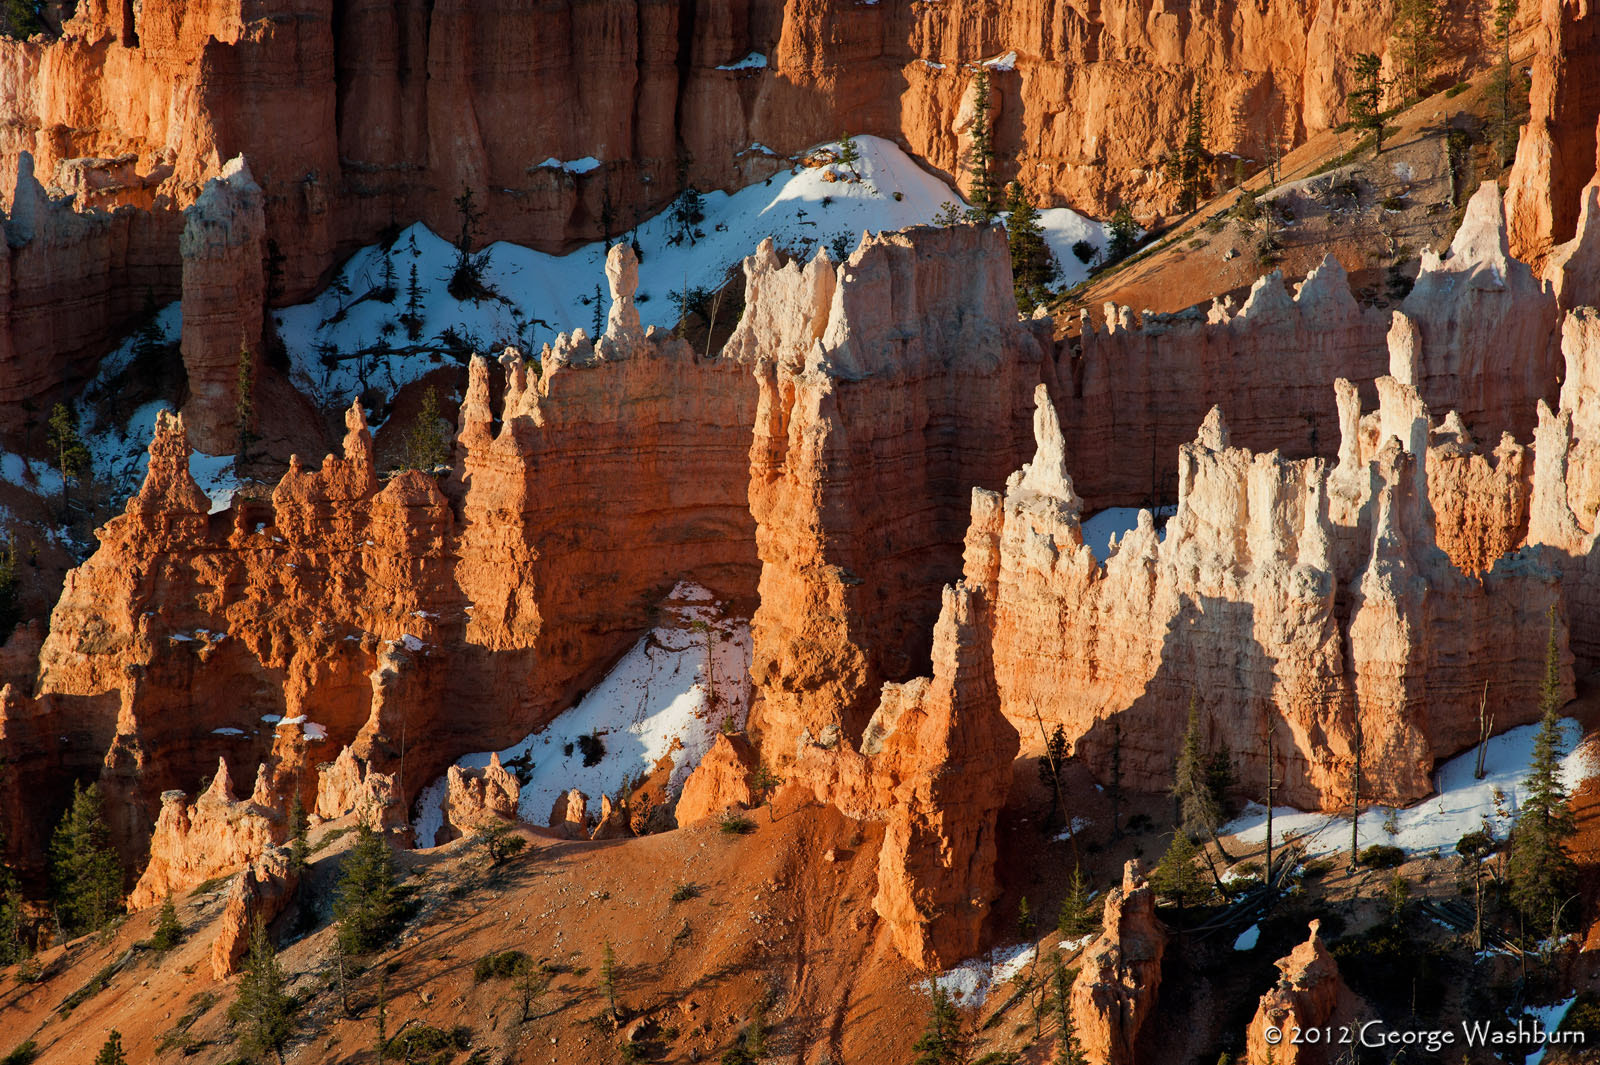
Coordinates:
[542,295]
[1116,522]
[1002,62]
[1435,824]
[652,703]
[1076,944]
[1550,1018]
[1063,227]
[1076,829]
[1247,938]
[32,474]
[753,61]
[969,983]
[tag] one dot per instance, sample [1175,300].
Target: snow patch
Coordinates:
[1075,829]
[1550,1017]
[654,704]
[1002,62]
[1247,938]
[227,732]
[573,166]
[753,61]
[969,983]
[1110,526]
[1076,944]
[1433,825]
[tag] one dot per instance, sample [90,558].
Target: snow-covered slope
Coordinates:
[540,295]
[652,704]
[1462,804]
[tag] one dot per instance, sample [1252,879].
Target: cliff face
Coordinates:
[888,387]
[355,115]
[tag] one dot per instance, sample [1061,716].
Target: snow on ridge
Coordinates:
[1008,61]
[1460,803]
[653,704]
[572,166]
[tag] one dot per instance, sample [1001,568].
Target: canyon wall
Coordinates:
[360,116]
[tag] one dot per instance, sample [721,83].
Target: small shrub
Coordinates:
[593,748]
[1394,203]
[97,983]
[1317,867]
[734,823]
[1456,90]
[898,195]
[505,965]
[1383,856]
[1083,251]
[25,1054]
[424,1044]
[684,892]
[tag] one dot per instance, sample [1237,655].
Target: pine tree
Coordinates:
[1025,921]
[427,443]
[299,844]
[1415,33]
[1033,265]
[13,915]
[1365,101]
[942,1042]
[1542,874]
[1078,916]
[1068,1049]
[366,904]
[244,401]
[86,878]
[1052,765]
[111,1053]
[599,312]
[264,1010]
[21,19]
[168,932]
[983,191]
[949,214]
[10,591]
[1505,119]
[1176,876]
[849,154]
[412,319]
[608,978]
[1123,232]
[1192,788]
[1188,166]
[391,286]
[66,446]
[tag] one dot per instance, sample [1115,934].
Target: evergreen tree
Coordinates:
[412,319]
[10,591]
[86,879]
[168,932]
[244,402]
[608,978]
[366,904]
[1068,1050]
[264,1009]
[942,1042]
[1124,234]
[1505,117]
[949,214]
[66,446]
[984,192]
[427,443]
[299,844]
[599,312]
[1189,165]
[1365,101]
[1198,808]
[849,154]
[1078,917]
[111,1052]
[466,279]
[1176,877]
[21,19]
[1415,33]
[390,288]
[13,915]
[1542,874]
[1033,265]
[1025,920]
[1052,765]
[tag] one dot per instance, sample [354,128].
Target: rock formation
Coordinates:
[261,893]
[1557,153]
[477,798]
[1120,974]
[895,382]
[719,782]
[936,876]
[216,835]
[1310,994]
[1287,597]
[224,288]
